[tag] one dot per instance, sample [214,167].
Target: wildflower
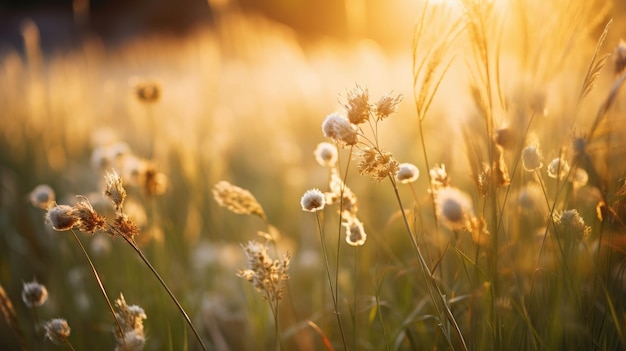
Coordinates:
[407,173]
[266,274]
[579,178]
[340,129]
[88,220]
[114,189]
[61,217]
[453,207]
[531,158]
[131,322]
[505,137]
[386,106]
[42,196]
[326,154]
[558,168]
[34,294]
[148,91]
[154,182]
[439,177]
[124,226]
[312,200]
[355,234]
[620,57]
[571,224]
[358,106]
[57,330]
[236,199]
[377,164]
[340,193]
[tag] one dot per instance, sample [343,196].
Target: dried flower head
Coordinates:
[340,193]
[355,234]
[570,225]
[148,91]
[558,168]
[358,106]
[131,322]
[88,219]
[531,158]
[61,217]
[454,208]
[377,164]
[439,177]
[407,173]
[340,129]
[34,294]
[312,201]
[620,57]
[42,196]
[326,154]
[579,178]
[266,274]
[236,199]
[386,106]
[505,137]
[57,330]
[114,189]
[123,226]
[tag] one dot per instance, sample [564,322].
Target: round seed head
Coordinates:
[61,217]
[355,234]
[313,200]
[34,294]
[340,129]
[531,158]
[42,196]
[326,154]
[407,173]
[57,330]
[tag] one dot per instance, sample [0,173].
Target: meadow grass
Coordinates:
[467,193]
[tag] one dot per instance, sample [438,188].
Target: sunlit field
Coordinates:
[455,181]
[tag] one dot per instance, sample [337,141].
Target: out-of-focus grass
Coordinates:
[244,102]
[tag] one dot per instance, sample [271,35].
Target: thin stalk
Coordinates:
[97,276]
[332,291]
[169,292]
[354,301]
[69,344]
[427,273]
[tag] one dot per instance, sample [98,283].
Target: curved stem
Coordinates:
[332,291]
[97,276]
[169,292]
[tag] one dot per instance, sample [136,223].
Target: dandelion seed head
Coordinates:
[407,173]
[454,208]
[42,197]
[340,129]
[61,217]
[34,294]
[558,168]
[313,200]
[326,154]
[57,330]
[531,158]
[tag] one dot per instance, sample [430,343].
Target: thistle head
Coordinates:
[34,294]
[42,197]
[326,154]
[407,173]
[57,330]
[531,158]
[61,217]
[340,129]
[313,200]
